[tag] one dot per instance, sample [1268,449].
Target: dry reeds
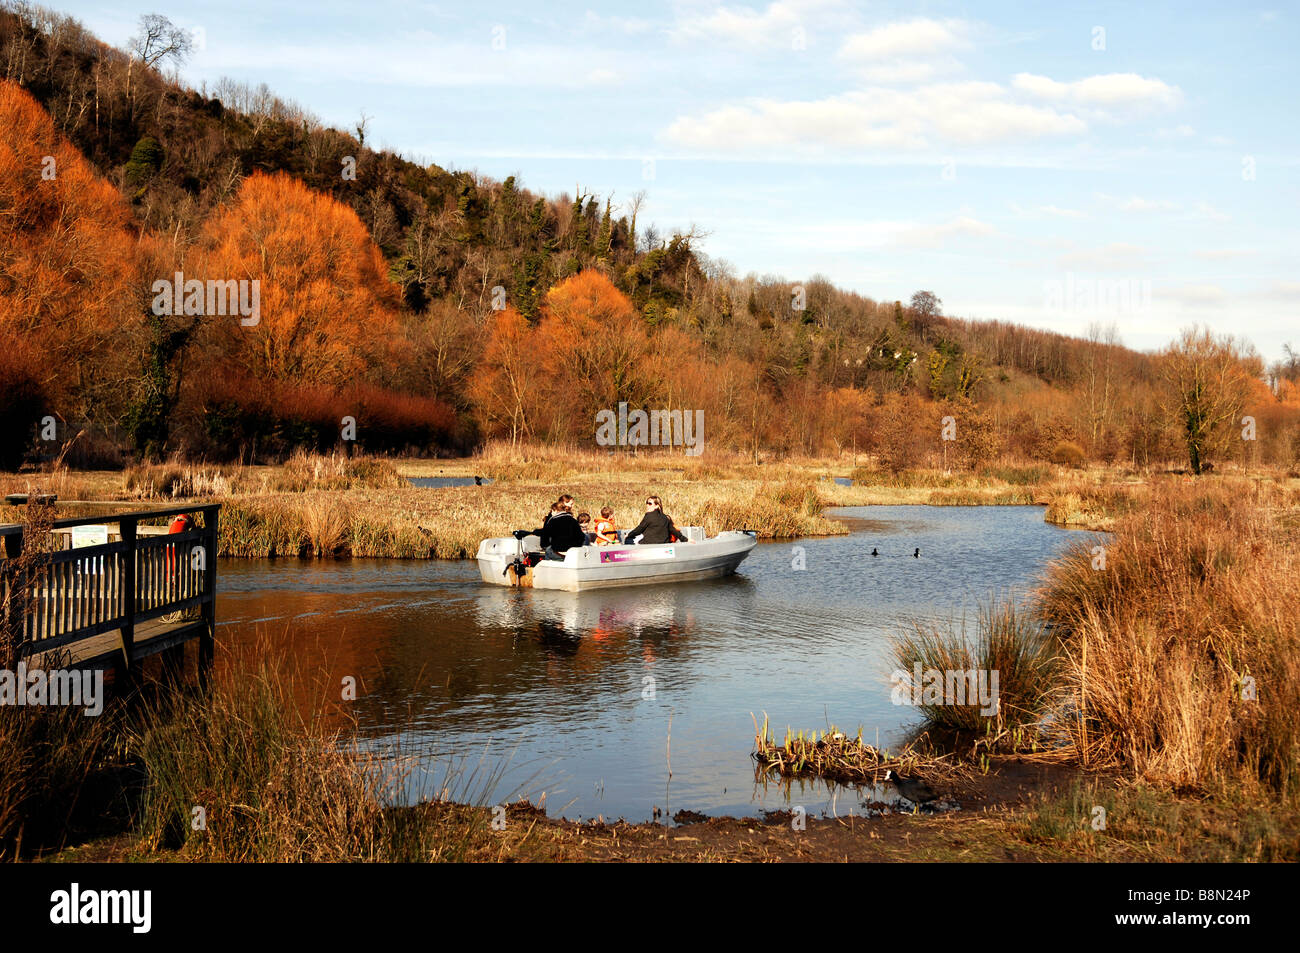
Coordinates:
[282,783]
[1011,657]
[1183,647]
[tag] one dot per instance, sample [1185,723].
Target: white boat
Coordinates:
[515,561]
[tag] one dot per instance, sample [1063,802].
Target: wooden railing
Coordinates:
[144,576]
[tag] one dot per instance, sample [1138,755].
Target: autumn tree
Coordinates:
[68,277]
[1207,383]
[504,385]
[327,311]
[594,349]
[926,312]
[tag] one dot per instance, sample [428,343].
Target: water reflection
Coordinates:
[584,696]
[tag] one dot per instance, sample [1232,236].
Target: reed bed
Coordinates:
[301,473]
[50,754]
[1008,641]
[1183,653]
[449,522]
[281,777]
[834,755]
[272,783]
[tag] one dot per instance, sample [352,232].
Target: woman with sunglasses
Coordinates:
[655,527]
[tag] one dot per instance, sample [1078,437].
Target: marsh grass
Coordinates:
[449,522]
[1007,640]
[326,524]
[280,780]
[301,473]
[1155,823]
[1196,608]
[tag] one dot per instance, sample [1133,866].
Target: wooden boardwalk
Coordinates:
[114,590]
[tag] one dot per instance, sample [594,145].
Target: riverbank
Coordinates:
[1027,813]
[1165,730]
[367,507]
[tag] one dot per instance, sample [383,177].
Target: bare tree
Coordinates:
[1208,381]
[1099,365]
[634,206]
[159,39]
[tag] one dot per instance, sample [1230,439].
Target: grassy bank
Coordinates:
[1160,686]
[1162,670]
[366,507]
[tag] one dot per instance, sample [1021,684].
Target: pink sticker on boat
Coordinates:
[628,555]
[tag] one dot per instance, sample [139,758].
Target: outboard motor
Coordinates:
[521,562]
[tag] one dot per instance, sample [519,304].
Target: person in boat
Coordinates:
[655,526]
[606,531]
[584,521]
[555,508]
[562,532]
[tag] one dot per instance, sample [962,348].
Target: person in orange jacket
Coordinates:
[606,531]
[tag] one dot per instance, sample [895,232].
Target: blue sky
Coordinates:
[1025,162]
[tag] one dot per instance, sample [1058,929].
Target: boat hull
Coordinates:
[603,567]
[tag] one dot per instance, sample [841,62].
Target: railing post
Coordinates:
[127,528]
[208,638]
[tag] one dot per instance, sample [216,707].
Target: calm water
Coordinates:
[571,694]
[427,483]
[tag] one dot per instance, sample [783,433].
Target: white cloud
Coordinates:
[1225,254]
[1052,211]
[1139,204]
[1196,295]
[868,235]
[1117,256]
[774,25]
[970,113]
[933,236]
[630,25]
[908,52]
[1104,91]
[422,60]
[910,38]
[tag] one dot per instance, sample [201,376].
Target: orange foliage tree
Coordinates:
[503,386]
[68,281]
[593,347]
[327,309]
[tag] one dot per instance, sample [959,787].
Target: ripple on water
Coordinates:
[573,694]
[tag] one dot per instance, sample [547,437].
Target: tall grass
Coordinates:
[1196,606]
[326,524]
[277,781]
[1009,641]
[301,473]
[449,523]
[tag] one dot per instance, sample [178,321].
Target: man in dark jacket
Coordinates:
[655,526]
[561,533]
